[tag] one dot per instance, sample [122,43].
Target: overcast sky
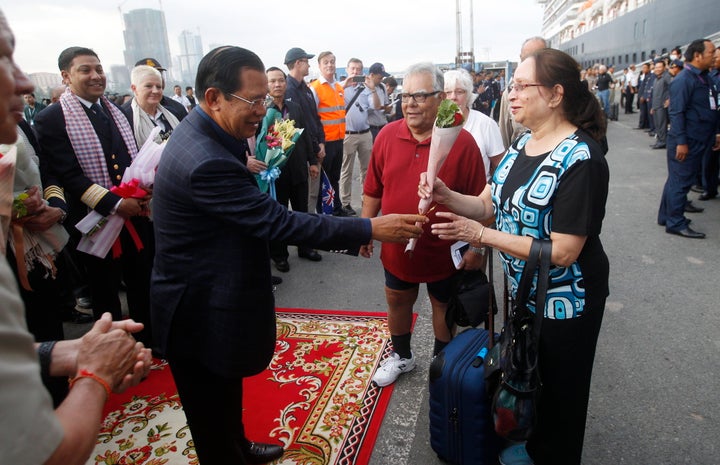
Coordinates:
[395,32]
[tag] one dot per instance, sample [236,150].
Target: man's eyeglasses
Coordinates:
[521,87]
[419,97]
[255,104]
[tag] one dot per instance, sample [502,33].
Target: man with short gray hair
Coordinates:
[509,129]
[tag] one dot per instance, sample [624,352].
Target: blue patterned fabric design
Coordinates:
[528,212]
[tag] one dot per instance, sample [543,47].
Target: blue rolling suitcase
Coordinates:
[461,424]
[462,431]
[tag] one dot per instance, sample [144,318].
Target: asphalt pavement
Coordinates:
[654,397]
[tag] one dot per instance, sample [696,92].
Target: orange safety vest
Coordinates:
[331,109]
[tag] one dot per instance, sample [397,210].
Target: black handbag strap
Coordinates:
[526,279]
[540,251]
[542,284]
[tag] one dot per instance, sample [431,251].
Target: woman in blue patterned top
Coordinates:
[552,183]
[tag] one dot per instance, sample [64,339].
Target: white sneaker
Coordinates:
[515,455]
[391,368]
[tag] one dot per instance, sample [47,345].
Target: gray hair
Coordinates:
[461,78]
[438,81]
[140,73]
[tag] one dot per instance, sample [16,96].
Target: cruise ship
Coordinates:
[625,32]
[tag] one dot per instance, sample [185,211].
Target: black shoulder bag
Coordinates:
[511,367]
[473,298]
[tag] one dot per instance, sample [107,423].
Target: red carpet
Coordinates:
[315,398]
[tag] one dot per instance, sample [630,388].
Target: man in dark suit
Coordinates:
[213,306]
[87,143]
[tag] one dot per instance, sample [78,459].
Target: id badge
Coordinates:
[713,102]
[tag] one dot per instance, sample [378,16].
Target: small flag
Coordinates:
[327,195]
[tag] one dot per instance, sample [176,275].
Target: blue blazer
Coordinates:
[211,281]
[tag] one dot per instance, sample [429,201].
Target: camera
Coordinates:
[358,79]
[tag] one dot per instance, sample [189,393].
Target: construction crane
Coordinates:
[463,58]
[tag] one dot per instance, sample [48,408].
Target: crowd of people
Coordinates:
[673,115]
[198,275]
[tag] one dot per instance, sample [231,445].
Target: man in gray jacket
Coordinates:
[660,102]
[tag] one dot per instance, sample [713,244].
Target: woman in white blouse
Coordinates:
[147,87]
[459,89]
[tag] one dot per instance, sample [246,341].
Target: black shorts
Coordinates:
[441,290]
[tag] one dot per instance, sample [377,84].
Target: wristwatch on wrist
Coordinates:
[62,218]
[45,355]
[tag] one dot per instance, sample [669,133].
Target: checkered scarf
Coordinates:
[85,142]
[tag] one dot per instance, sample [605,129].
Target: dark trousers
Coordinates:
[332,164]
[567,353]
[213,407]
[710,171]
[660,118]
[134,268]
[629,97]
[681,177]
[289,194]
[645,120]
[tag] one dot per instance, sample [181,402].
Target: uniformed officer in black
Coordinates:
[88,160]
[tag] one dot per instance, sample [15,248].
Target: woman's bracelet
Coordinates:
[482,231]
[93,376]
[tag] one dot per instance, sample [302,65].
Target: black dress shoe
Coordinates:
[282,265]
[311,255]
[276,280]
[84,302]
[687,232]
[257,452]
[690,208]
[349,211]
[657,146]
[706,196]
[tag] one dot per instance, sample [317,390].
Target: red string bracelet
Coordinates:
[91,375]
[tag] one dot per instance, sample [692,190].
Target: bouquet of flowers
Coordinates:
[448,124]
[100,233]
[275,143]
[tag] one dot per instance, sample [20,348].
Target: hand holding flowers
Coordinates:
[448,124]
[275,143]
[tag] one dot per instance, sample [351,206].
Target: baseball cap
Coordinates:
[295,54]
[150,62]
[677,63]
[378,68]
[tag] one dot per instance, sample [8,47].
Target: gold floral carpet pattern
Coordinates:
[315,398]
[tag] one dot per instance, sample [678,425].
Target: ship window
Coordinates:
[642,56]
[634,57]
[627,59]
[619,59]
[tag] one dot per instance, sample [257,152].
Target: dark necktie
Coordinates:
[98,110]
